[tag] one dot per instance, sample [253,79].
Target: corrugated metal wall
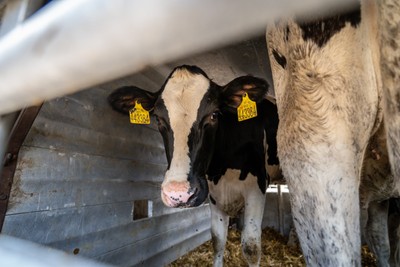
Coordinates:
[80,171]
[277,212]
[83,167]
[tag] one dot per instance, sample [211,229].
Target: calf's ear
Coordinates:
[232,93]
[123,99]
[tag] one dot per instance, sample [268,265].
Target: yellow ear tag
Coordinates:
[138,115]
[247,109]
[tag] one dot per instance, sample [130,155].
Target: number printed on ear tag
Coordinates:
[138,115]
[247,109]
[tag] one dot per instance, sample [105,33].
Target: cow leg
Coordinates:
[377,231]
[219,230]
[394,232]
[324,197]
[251,233]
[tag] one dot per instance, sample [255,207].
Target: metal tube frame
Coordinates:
[72,45]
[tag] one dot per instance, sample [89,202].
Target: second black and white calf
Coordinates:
[209,152]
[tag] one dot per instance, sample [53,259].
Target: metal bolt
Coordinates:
[8,158]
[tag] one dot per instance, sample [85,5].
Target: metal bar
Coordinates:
[16,12]
[20,130]
[280,210]
[72,45]
[3,3]
[18,252]
[6,123]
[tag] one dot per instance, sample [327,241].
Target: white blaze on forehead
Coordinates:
[182,96]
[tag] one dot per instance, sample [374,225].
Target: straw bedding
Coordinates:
[275,252]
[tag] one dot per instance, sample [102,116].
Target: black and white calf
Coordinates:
[209,151]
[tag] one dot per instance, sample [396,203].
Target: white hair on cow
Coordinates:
[182,97]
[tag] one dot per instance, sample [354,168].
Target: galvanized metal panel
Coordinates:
[54,225]
[62,195]
[44,196]
[287,219]
[112,136]
[277,211]
[171,254]
[89,109]
[102,244]
[159,208]
[242,58]
[271,210]
[222,65]
[139,252]
[48,164]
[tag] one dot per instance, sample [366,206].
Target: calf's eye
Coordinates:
[214,116]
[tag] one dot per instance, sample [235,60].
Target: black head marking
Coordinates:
[279,58]
[287,32]
[321,30]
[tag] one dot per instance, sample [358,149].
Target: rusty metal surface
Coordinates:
[23,124]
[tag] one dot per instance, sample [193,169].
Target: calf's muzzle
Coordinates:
[183,194]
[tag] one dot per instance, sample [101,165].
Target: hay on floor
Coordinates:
[275,252]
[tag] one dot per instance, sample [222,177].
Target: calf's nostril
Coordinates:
[192,200]
[176,194]
[193,191]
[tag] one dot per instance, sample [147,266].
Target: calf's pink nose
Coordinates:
[174,194]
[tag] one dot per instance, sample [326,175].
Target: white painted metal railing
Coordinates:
[18,252]
[72,45]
